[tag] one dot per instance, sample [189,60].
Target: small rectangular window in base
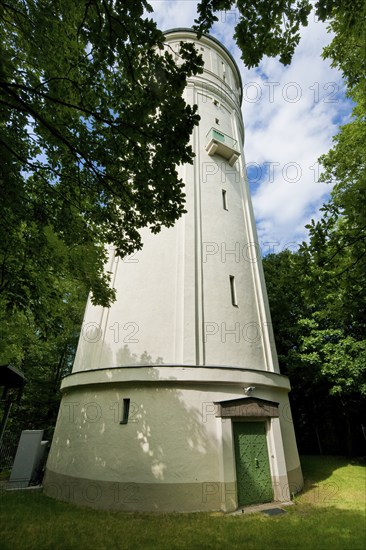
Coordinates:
[234,299]
[224,200]
[126,410]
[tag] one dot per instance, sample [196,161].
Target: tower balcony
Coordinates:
[223,145]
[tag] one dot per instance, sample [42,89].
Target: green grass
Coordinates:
[329,514]
[333,482]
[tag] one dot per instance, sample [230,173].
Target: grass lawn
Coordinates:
[329,514]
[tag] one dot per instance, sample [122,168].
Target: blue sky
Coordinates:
[290,115]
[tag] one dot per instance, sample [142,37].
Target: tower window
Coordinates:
[224,200]
[215,102]
[234,299]
[126,410]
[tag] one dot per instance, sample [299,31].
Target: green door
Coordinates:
[252,466]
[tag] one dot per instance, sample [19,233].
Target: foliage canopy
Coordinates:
[92,128]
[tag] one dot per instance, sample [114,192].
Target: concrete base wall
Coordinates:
[174,454]
[142,497]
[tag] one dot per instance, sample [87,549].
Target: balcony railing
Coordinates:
[221,144]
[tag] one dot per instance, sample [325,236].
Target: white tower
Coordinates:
[175,401]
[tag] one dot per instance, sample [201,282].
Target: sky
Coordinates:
[290,116]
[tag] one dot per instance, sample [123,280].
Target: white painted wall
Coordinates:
[173,434]
[173,297]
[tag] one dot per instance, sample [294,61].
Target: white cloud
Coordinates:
[170,14]
[297,125]
[290,114]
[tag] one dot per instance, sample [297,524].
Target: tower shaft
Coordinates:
[165,379]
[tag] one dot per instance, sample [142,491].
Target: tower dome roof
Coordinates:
[213,39]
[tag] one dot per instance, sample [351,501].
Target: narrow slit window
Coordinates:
[234,299]
[217,121]
[224,200]
[126,411]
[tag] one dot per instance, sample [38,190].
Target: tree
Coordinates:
[47,358]
[336,253]
[40,337]
[320,322]
[272,28]
[323,354]
[263,29]
[347,48]
[92,127]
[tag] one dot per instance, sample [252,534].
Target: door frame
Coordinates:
[251,410]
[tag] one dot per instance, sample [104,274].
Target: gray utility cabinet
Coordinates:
[28,458]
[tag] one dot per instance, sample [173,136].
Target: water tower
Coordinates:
[175,401]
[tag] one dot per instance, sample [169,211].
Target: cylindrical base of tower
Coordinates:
[173,438]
